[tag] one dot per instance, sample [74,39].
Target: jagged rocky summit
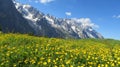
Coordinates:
[27,19]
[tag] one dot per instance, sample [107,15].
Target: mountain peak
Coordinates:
[11,20]
[50,25]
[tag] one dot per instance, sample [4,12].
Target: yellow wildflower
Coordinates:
[45,63]
[49,60]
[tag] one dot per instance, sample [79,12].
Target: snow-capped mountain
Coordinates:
[47,25]
[11,21]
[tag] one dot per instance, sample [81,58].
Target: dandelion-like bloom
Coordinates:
[49,60]
[45,63]
[32,61]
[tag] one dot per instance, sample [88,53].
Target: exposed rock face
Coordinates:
[11,20]
[15,17]
[51,26]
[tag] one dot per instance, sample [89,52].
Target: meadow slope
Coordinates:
[17,50]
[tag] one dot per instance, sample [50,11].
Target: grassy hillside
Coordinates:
[18,50]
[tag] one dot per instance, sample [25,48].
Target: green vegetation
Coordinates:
[0,28]
[18,50]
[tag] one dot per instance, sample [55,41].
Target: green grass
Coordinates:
[17,50]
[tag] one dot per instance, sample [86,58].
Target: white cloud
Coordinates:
[86,22]
[41,1]
[68,13]
[45,1]
[116,16]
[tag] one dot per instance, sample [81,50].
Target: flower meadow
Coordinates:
[18,50]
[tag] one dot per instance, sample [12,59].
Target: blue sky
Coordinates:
[104,13]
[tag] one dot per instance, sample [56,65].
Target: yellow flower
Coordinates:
[45,63]
[7,60]
[118,58]
[106,65]
[8,54]
[108,62]
[118,62]
[82,66]
[88,56]
[11,52]
[28,47]
[71,65]
[62,65]
[48,44]
[19,61]
[102,65]
[65,53]
[36,50]
[71,55]
[68,62]
[56,52]
[14,65]
[42,58]
[90,66]
[39,62]
[26,61]
[2,63]
[56,59]
[5,46]
[55,66]
[13,48]
[99,65]
[49,60]
[32,61]
[112,64]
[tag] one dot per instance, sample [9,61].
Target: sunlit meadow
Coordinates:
[18,50]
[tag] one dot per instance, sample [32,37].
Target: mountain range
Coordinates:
[23,18]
